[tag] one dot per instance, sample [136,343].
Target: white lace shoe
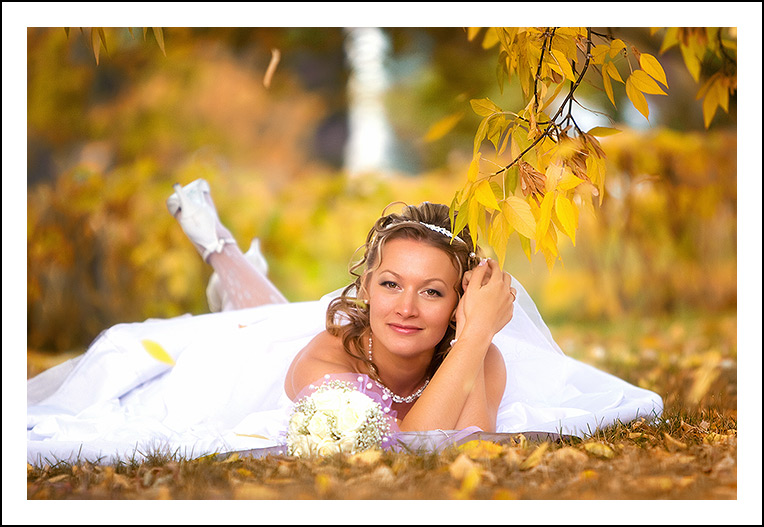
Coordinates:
[199,219]
[216,296]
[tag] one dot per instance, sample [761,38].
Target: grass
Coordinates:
[689,453]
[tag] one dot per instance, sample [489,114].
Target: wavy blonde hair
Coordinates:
[348,316]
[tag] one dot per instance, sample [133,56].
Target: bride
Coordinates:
[453,341]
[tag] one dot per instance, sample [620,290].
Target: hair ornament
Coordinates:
[436,228]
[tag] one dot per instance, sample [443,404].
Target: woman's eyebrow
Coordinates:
[397,276]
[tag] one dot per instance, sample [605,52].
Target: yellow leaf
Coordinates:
[599,52]
[562,60]
[603,131]
[644,83]
[443,126]
[566,213]
[612,71]
[472,217]
[472,173]
[691,61]
[472,32]
[484,107]
[553,176]
[637,98]
[484,195]
[536,456]
[525,243]
[545,217]
[157,351]
[95,45]
[569,181]
[160,38]
[599,449]
[256,436]
[500,231]
[490,39]
[518,213]
[616,46]
[608,87]
[479,449]
[709,106]
[554,95]
[653,68]
[723,93]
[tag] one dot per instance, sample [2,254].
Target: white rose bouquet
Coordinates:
[335,418]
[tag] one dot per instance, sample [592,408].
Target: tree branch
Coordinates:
[562,106]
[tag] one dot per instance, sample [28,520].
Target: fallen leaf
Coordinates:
[470,482]
[672,443]
[461,466]
[661,483]
[599,449]
[479,449]
[567,455]
[535,457]
[589,474]
[513,458]
[157,351]
[323,483]
[231,459]
[252,491]
[244,472]
[56,479]
[504,494]
[367,457]
[383,475]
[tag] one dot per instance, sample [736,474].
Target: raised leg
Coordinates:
[240,284]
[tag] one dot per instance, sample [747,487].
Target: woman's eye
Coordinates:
[388,284]
[432,292]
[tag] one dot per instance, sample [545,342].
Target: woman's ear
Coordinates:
[466,279]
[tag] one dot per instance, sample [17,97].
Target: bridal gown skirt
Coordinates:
[225,390]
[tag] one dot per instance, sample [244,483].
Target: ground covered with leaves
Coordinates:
[690,453]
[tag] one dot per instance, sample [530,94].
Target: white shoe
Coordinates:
[199,219]
[216,296]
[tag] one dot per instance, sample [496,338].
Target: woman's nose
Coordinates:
[406,306]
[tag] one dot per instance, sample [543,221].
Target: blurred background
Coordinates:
[346,125]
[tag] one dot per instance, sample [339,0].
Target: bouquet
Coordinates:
[336,418]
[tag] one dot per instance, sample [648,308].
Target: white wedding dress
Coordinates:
[225,391]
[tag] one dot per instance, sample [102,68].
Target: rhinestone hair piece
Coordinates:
[436,228]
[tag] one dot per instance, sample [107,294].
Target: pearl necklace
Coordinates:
[394,396]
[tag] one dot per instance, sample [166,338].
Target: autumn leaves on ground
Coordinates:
[690,453]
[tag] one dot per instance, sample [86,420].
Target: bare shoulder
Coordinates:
[495,374]
[324,354]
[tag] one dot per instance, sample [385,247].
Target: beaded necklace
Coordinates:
[394,396]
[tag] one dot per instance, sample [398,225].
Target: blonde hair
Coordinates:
[348,316]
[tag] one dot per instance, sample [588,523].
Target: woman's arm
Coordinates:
[468,373]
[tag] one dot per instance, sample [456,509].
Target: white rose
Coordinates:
[300,446]
[318,426]
[327,399]
[347,443]
[350,419]
[327,447]
[296,422]
[360,402]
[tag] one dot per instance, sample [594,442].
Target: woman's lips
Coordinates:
[404,330]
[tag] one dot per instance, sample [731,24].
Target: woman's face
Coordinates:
[411,297]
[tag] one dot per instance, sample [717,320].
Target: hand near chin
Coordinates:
[487,304]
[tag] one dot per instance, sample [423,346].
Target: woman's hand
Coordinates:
[488,301]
